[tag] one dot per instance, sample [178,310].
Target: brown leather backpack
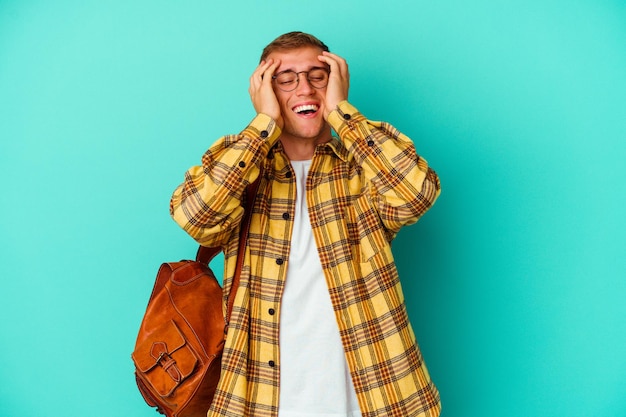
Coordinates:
[179,347]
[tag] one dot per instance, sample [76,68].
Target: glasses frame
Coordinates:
[298,78]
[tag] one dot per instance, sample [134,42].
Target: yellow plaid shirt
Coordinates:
[361,189]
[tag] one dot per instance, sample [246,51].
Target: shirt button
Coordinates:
[264,133]
[271,311]
[370,142]
[288,174]
[242,164]
[286,216]
[272,363]
[279,261]
[347,117]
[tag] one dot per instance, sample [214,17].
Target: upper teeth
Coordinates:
[305,107]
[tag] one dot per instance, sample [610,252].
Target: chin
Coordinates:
[309,132]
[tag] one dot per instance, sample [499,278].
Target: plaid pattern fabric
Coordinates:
[361,190]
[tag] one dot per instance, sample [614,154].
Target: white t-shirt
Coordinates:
[314,377]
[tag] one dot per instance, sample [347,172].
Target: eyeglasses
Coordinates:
[289,80]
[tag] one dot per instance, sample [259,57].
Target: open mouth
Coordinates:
[306,109]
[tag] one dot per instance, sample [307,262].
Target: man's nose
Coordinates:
[304,86]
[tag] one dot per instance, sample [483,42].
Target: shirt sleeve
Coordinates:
[207,205]
[402,185]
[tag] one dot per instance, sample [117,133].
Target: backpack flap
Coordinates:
[166,359]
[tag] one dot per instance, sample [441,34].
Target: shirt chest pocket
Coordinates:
[367,234]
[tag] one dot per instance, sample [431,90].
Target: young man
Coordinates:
[319,326]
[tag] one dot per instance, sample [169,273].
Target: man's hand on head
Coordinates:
[338,81]
[261,92]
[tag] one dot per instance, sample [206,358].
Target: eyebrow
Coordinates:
[310,69]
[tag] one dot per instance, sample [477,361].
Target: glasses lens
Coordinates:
[287,80]
[318,77]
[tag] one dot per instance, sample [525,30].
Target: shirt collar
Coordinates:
[335,145]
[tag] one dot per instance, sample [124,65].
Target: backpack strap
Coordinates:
[206,254]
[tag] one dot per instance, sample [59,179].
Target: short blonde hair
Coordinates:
[292,40]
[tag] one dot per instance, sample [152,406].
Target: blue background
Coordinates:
[515,280]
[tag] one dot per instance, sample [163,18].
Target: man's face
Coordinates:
[302,108]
